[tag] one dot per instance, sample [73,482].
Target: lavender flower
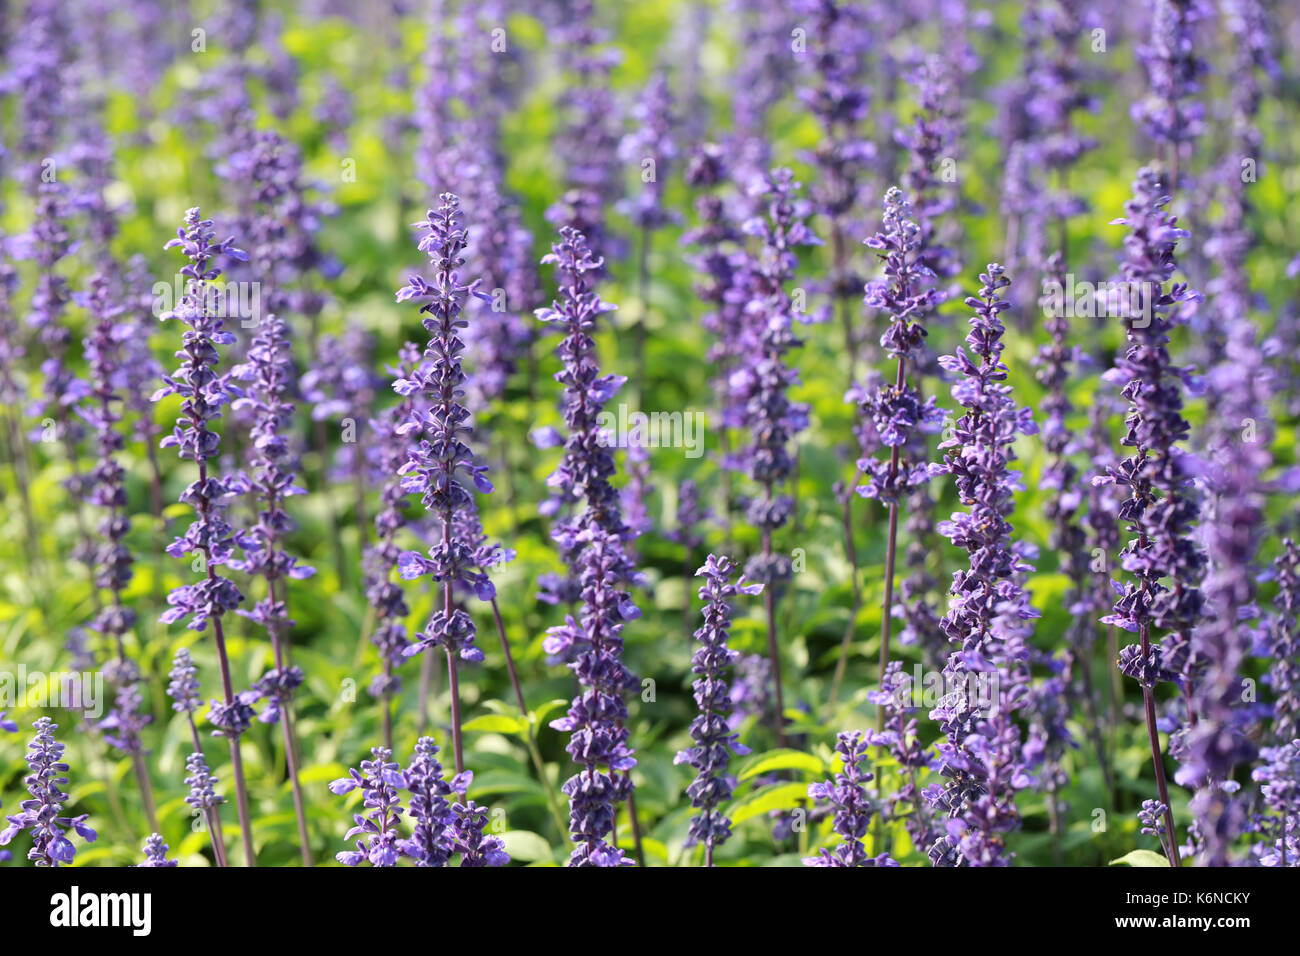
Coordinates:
[930,141]
[183,687]
[203,794]
[1279,779]
[430,844]
[379,780]
[41,816]
[847,795]
[763,388]
[593,545]
[442,456]
[384,594]
[651,148]
[983,754]
[900,735]
[204,391]
[587,143]
[838,96]
[1233,528]
[1283,646]
[897,410]
[273,481]
[155,852]
[585,470]
[714,740]
[597,718]
[468,840]
[1170,113]
[1159,510]
[1151,821]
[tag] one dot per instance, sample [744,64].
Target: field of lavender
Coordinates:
[673,433]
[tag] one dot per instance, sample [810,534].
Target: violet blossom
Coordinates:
[41,816]
[984,756]
[714,740]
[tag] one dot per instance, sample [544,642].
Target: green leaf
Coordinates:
[540,715]
[776,796]
[526,846]
[1141,858]
[497,724]
[780,760]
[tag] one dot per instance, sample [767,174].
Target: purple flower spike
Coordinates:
[847,795]
[1163,557]
[714,741]
[40,816]
[379,780]
[155,852]
[989,611]
[203,391]
[468,840]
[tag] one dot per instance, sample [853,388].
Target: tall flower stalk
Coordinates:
[987,615]
[442,457]
[897,410]
[772,418]
[210,537]
[837,94]
[41,816]
[848,797]
[268,374]
[185,691]
[388,608]
[1162,556]
[714,741]
[112,559]
[592,542]
[651,147]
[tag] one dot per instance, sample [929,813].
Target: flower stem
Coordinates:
[453,680]
[1162,788]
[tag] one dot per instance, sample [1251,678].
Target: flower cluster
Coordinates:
[441,829]
[587,466]
[651,148]
[762,388]
[587,143]
[155,852]
[1279,777]
[714,740]
[441,457]
[1170,113]
[385,595]
[268,373]
[1163,555]
[983,756]
[41,816]
[897,410]
[203,391]
[848,797]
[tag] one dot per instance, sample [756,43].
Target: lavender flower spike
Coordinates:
[204,391]
[847,794]
[983,756]
[379,780]
[771,417]
[155,852]
[1162,555]
[713,737]
[269,371]
[593,545]
[442,456]
[40,816]
[429,845]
